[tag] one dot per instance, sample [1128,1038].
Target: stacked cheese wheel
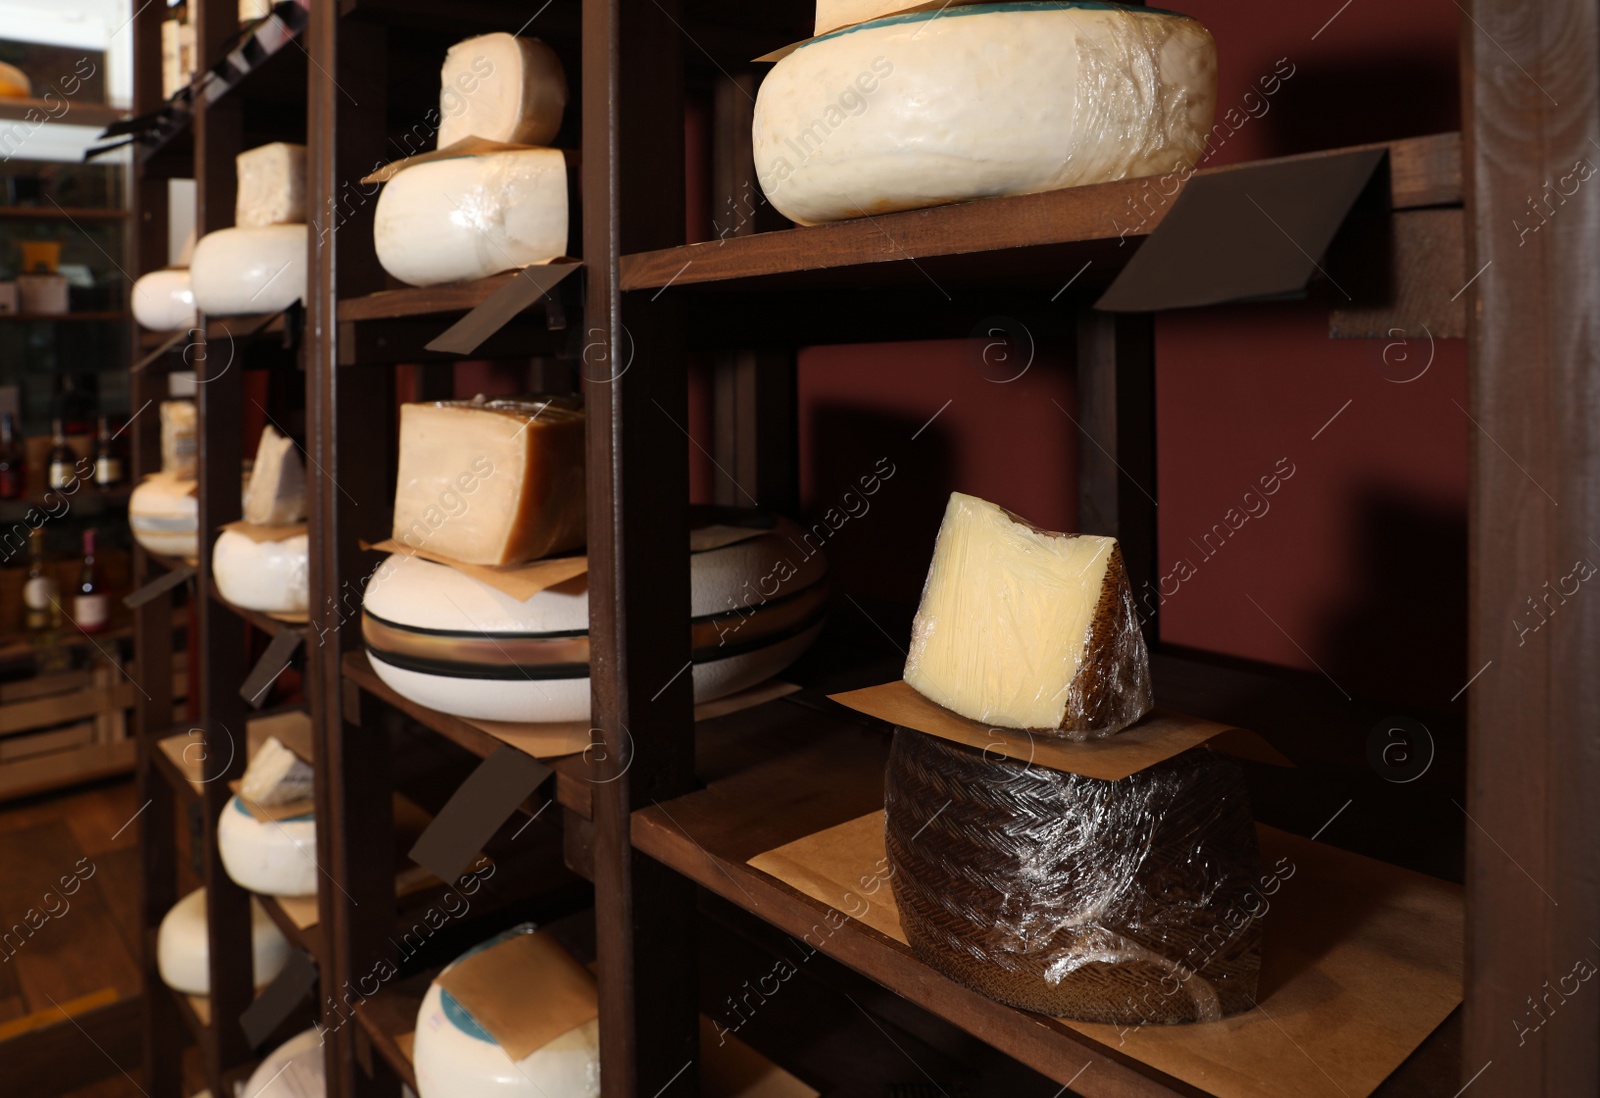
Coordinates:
[259,265]
[292,1070]
[183,949]
[956,103]
[272,857]
[164,300]
[470,215]
[264,563]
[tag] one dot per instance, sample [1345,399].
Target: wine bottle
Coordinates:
[91,606]
[63,465]
[108,471]
[13,463]
[40,592]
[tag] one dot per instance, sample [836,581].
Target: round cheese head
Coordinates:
[275,859]
[240,272]
[164,516]
[163,301]
[269,576]
[472,216]
[960,103]
[182,948]
[501,88]
[292,1070]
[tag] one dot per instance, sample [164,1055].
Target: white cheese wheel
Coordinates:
[238,272]
[968,102]
[292,1070]
[272,186]
[452,643]
[182,948]
[501,88]
[163,301]
[270,576]
[456,1058]
[274,859]
[472,216]
[164,516]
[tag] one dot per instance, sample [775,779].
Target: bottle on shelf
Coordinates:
[75,405]
[41,595]
[62,467]
[108,466]
[13,460]
[91,606]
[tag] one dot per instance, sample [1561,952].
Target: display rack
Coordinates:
[662,813]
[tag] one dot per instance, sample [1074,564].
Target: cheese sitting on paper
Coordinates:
[277,492]
[276,776]
[491,482]
[1023,628]
[272,186]
[501,88]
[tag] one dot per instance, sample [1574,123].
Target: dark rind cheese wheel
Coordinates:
[1123,902]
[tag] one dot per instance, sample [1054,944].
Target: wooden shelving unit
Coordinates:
[656,823]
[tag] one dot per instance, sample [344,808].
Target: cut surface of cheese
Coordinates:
[501,88]
[491,482]
[179,422]
[277,492]
[163,301]
[272,858]
[272,186]
[270,576]
[959,103]
[276,775]
[1023,628]
[182,947]
[239,272]
[472,216]
[164,516]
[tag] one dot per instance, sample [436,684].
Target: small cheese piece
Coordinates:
[238,272]
[163,300]
[491,482]
[960,103]
[272,186]
[179,422]
[277,492]
[1023,628]
[472,216]
[501,88]
[276,776]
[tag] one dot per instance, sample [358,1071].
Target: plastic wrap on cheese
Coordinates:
[1130,902]
[959,103]
[238,272]
[1024,628]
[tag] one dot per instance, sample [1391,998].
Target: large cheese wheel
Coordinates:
[960,103]
[163,301]
[456,1058]
[238,272]
[472,216]
[274,859]
[292,1070]
[455,644]
[270,576]
[182,949]
[164,516]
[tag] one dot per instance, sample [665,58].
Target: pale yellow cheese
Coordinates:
[276,776]
[272,186]
[277,491]
[501,88]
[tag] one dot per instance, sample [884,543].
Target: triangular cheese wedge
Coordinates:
[1024,628]
[276,776]
[277,492]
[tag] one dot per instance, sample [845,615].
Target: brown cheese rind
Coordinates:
[1112,688]
[1123,902]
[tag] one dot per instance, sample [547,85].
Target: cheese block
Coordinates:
[491,482]
[1023,628]
[180,423]
[270,576]
[164,516]
[501,88]
[1123,902]
[182,948]
[272,186]
[277,492]
[277,858]
[472,216]
[455,1057]
[452,643]
[292,1070]
[276,776]
[238,272]
[163,301]
[958,103]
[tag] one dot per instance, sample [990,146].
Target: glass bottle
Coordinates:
[63,464]
[91,606]
[108,469]
[40,593]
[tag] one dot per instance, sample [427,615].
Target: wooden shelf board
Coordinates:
[264,622]
[455,297]
[42,773]
[58,213]
[1022,236]
[96,315]
[14,647]
[181,774]
[78,113]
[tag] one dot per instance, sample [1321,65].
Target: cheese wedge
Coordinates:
[1023,628]
[276,776]
[277,492]
[491,482]
[179,424]
[501,88]
[272,186]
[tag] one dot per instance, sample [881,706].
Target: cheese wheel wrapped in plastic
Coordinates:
[163,301]
[959,103]
[501,88]
[469,217]
[182,948]
[239,272]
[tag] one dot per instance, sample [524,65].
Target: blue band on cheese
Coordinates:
[304,817]
[981,9]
